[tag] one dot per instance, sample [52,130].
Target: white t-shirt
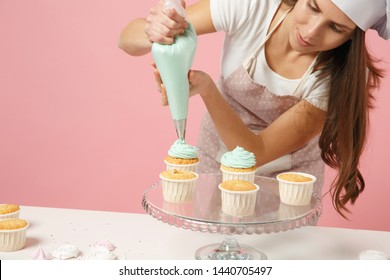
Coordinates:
[246,23]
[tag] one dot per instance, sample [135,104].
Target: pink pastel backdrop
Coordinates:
[81,124]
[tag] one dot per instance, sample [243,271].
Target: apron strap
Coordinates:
[298,91]
[250,63]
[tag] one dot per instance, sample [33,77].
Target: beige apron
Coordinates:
[258,108]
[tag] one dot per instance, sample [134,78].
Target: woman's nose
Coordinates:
[314,28]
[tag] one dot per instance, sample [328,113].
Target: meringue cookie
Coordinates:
[100,253]
[66,251]
[372,255]
[105,243]
[39,254]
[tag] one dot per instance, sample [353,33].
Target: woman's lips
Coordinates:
[301,41]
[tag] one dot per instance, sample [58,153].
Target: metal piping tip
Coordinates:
[180,126]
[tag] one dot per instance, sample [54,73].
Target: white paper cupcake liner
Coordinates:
[245,176]
[238,203]
[10,215]
[178,191]
[13,240]
[296,193]
[186,167]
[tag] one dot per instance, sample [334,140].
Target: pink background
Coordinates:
[81,124]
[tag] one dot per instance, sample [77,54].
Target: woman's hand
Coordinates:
[160,85]
[163,24]
[200,83]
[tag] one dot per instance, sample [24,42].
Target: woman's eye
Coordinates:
[335,29]
[312,8]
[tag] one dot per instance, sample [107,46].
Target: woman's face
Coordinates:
[318,25]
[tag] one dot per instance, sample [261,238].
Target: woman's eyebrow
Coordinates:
[335,23]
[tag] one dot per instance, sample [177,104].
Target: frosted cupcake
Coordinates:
[238,164]
[182,156]
[238,197]
[295,188]
[12,234]
[9,211]
[178,185]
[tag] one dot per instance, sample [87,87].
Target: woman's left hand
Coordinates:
[200,83]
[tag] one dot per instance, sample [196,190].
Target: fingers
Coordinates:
[157,78]
[173,19]
[160,85]
[172,23]
[200,83]
[162,34]
[156,73]
[164,97]
[192,76]
[163,24]
[157,32]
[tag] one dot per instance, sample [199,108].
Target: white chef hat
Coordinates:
[368,14]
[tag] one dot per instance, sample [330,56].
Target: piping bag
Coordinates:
[173,63]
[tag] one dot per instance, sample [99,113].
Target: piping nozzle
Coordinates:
[180,126]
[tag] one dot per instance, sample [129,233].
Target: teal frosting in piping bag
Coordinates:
[173,62]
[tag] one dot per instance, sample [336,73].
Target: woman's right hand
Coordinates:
[163,24]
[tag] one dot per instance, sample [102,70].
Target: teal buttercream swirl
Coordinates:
[239,158]
[180,149]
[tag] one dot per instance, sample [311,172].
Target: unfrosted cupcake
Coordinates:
[12,234]
[295,188]
[238,197]
[9,211]
[178,185]
[182,156]
[238,164]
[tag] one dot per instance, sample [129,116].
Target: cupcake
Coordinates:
[238,197]
[178,185]
[238,164]
[9,211]
[182,156]
[12,234]
[295,188]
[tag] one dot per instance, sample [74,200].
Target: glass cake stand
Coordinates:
[203,213]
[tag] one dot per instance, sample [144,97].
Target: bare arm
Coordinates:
[289,132]
[162,25]
[133,39]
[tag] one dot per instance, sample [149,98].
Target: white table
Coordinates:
[140,236]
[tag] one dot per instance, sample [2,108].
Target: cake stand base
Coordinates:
[229,249]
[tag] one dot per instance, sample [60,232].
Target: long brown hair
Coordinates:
[352,77]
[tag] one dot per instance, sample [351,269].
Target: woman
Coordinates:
[295,85]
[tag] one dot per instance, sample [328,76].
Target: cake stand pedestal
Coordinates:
[229,249]
[203,213]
